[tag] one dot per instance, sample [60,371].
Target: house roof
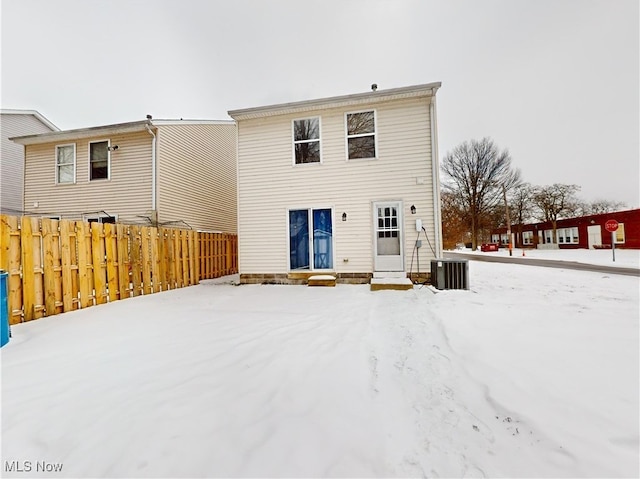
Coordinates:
[425,90]
[38,115]
[80,133]
[118,128]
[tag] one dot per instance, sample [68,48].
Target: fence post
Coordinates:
[122,233]
[86,298]
[136,270]
[99,265]
[65,254]
[146,260]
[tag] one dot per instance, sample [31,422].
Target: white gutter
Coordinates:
[153,169]
[435,171]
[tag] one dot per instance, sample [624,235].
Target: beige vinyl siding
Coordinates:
[12,158]
[270,184]
[126,194]
[197,175]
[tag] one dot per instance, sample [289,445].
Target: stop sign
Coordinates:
[611,226]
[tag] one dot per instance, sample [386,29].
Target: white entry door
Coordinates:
[594,233]
[388,254]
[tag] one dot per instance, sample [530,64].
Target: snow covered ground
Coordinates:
[534,372]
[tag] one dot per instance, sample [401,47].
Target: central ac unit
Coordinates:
[450,273]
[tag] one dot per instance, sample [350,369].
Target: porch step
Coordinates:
[321,280]
[401,284]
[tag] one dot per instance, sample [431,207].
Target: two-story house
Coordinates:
[344,187]
[14,123]
[153,172]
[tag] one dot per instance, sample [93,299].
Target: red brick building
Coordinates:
[583,232]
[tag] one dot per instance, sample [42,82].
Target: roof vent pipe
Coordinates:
[153,167]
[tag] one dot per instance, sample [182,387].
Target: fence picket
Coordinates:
[111,253]
[49,265]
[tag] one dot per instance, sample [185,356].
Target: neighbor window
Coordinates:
[619,234]
[361,135]
[66,163]
[100,219]
[527,237]
[99,160]
[548,236]
[568,235]
[306,140]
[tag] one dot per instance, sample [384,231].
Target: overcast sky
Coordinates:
[556,82]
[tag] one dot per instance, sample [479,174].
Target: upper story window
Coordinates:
[361,135]
[99,160]
[66,163]
[306,140]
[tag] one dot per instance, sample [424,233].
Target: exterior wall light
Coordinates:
[344,217]
[413,209]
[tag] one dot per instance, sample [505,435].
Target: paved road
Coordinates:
[550,263]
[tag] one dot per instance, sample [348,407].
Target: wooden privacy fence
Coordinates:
[56,266]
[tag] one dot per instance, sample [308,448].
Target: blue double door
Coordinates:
[311,239]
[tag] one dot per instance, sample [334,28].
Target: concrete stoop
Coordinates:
[321,280]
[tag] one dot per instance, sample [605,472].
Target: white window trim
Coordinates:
[311,250]
[375,134]
[108,178]
[74,164]
[294,142]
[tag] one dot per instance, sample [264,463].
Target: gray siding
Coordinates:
[270,184]
[126,194]
[12,158]
[197,175]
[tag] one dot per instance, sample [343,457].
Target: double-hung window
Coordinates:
[527,237]
[361,135]
[99,160]
[306,140]
[66,163]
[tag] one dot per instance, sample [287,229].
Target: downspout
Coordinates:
[153,175]
[435,172]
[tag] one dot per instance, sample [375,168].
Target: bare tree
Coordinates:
[599,207]
[555,202]
[521,206]
[476,173]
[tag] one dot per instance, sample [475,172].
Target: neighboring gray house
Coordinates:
[344,187]
[15,123]
[151,172]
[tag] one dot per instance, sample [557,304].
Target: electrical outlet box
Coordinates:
[418,243]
